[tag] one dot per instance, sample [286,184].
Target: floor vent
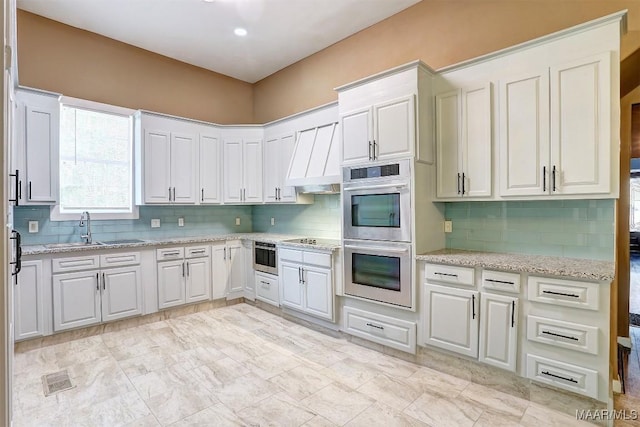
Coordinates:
[56,382]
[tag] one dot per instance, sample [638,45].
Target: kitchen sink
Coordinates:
[72,245]
[122,241]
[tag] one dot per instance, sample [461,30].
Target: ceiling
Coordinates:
[280,32]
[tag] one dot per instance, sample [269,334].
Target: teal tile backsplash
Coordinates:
[321,219]
[570,228]
[199,221]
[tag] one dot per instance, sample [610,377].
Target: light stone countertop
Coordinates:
[323,244]
[587,269]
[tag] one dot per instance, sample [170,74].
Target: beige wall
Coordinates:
[438,32]
[81,64]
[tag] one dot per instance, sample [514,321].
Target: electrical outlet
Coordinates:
[180,222]
[33,226]
[155,223]
[273,221]
[448,226]
[237,220]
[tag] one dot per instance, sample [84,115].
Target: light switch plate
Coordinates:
[33,226]
[155,223]
[237,220]
[180,222]
[448,226]
[273,221]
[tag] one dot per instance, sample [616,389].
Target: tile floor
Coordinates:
[242,366]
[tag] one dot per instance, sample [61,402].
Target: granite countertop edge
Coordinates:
[264,237]
[578,268]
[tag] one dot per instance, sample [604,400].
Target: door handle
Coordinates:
[513,313]
[241,194]
[302,271]
[169,193]
[370,158]
[458,183]
[299,275]
[183,269]
[244,194]
[544,179]
[98,282]
[202,198]
[279,193]
[463,183]
[16,200]
[225,253]
[374,150]
[104,282]
[473,306]
[29,190]
[553,179]
[276,191]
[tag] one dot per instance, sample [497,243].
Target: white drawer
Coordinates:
[315,258]
[169,253]
[395,333]
[450,274]
[267,289]
[114,260]
[197,251]
[290,255]
[563,375]
[61,265]
[501,281]
[558,333]
[568,293]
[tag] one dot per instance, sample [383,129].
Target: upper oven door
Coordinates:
[377,211]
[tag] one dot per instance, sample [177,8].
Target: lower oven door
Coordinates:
[379,271]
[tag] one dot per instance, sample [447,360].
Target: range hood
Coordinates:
[315,164]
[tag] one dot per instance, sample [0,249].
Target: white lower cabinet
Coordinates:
[498,330]
[396,333]
[306,281]
[267,289]
[83,298]
[184,275]
[229,269]
[451,319]
[28,301]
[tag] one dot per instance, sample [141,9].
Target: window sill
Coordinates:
[55,215]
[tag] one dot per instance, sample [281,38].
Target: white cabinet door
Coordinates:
[476,142]
[76,300]
[183,168]
[210,167]
[287,144]
[157,166]
[121,293]
[451,319]
[220,272]
[318,289]
[499,331]
[41,133]
[236,262]
[580,126]
[171,283]
[272,173]
[394,128]
[448,164]
[198,286]
[232,182]
[249,278]
[524,135]
[356,136]
[252,174]
[291,285]
[28,301]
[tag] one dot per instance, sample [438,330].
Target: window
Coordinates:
[96,161]
[634,217]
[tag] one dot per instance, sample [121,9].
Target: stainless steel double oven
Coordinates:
[377,232]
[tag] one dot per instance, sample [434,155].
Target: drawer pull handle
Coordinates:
[549,374]
[562,294]
[553,334]
[445,274]
[201,251]
[171,253]
[503,282]
[265,284]
[375,326]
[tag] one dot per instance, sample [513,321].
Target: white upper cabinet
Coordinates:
[277,157]
[210,158]
[387,116]
[242,155]
[555,133]
[167,149]
[38,134]
[464,143]
[524,134]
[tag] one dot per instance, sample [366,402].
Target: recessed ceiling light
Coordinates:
[240,32]
[208,1]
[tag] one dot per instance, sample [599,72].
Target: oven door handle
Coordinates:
[377,248]
[376,187]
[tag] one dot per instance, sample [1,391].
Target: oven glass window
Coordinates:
[265,257]
[377,271]
[376,210]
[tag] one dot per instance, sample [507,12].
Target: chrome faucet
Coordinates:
[86,217]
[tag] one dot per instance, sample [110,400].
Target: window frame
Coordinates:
[55,214]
